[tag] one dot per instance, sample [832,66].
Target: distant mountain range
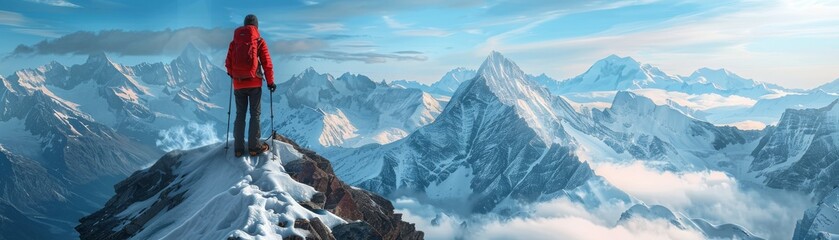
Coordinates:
[319,110]
[490,138]
[504,138]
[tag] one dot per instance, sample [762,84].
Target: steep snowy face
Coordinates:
[619,73]
[27,184]
[308,88]
[452,79]
[508,83]
[137,100]
[352,110]
[551,84]
[801,152]
[659,132]
[65,139]
[821,221]
[56,157]
[710,231]
[207,193]
[483,149]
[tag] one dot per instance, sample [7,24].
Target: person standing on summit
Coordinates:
[248,61]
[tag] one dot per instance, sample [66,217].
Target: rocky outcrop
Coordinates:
[349,203]
[140,186]
[303,199]
[800,153]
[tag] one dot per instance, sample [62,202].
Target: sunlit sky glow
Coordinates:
[791,43]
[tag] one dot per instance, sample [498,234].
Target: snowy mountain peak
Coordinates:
[191,53]
[310,73]
[619,73]
[615,60]
[721,79]
[284,193]
[98,58]
[497,67]
[356,81]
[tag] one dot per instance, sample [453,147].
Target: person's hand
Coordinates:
[272,87]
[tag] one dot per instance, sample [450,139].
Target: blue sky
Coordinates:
[792,43]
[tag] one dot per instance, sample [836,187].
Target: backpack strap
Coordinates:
[259,42]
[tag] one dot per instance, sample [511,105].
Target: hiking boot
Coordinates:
[238,153]
[263,148]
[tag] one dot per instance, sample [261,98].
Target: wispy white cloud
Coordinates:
[393,23]
[39,32]
[11,18]
[57,3]
[723,37]
[424,32]
[327,27]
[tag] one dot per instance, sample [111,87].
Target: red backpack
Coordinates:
[245,61]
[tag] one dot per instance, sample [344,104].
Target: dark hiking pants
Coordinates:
[244,97]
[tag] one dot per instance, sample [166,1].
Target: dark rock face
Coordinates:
[800,153]
[139,186]
[355,231]
[349,203]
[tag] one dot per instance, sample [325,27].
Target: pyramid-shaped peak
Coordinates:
[98,57]
[310,69]
[191,53]
[496,66]
[310,76]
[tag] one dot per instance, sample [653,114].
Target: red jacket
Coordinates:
[264,58]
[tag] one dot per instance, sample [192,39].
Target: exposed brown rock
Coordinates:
[346,202]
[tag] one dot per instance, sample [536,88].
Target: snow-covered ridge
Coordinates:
[800,153]
[443,87]
[319,110]
[206,193]
[136,100]
[615,73]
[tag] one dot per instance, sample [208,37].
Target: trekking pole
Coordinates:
[229,105]
[273,132]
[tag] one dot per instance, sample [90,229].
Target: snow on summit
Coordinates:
[208,194]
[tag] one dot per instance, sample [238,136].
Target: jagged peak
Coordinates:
[310,72]
[191,53]
[310,76]
[98,58]
[459,70]
[498,67]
